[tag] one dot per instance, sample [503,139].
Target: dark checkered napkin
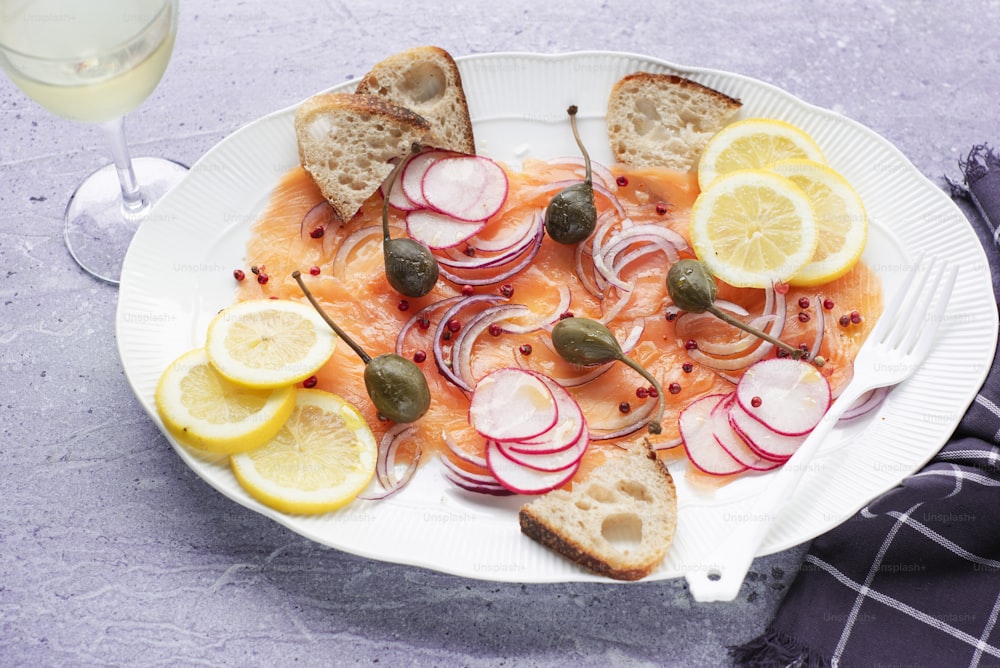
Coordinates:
[914,578]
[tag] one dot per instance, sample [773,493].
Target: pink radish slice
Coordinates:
[549,461]
[564,434]
[765,442]
[512,404]
[398,198]
[465,187]
[413,176]
[438,230]
[788,396]
[732,441]
[521,479]
[705,453]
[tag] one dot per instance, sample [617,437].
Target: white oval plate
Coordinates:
[178,274]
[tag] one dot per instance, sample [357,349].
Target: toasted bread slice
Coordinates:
[596,524]
[426,80]
[347,143]
[663,120]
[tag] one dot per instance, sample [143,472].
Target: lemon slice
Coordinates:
[753,227]
[754,143]
[269,342]
[205,410]
[321,459]
[841,220]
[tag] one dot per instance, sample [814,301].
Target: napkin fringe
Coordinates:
[980,161]
[773,649]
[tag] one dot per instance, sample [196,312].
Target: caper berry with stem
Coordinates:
[396,386]
[410,267]
[693,288]
[589,343]
[571,215]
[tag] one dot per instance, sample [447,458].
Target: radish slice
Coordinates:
[514,235]
[703,450]
[564,435]
[465,187]
[512,404]
[413,176]
[521,479]
[549,461]
[765,442]
[733,442]
[437,230]
[788,396]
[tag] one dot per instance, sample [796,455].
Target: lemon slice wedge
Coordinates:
[205,410]
[267,343]
[753,228]
[754,143]
[320,460]
[841,220]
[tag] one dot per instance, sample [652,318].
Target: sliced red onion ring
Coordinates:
[351,241]
[445,366]
[461,454]
[866,403]
[586,277]
[565,297]
[422,313]
[633,422]
[463,482]
[777,302]
[737,347]
[461,355]
[668,444]
[613,256]
[502,275]
[462,260]
[599,170]
[515,234]
[385,464]
[624,297]
[318,216]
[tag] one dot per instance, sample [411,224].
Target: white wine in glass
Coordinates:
[94,61]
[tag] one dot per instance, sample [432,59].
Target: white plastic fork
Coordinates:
[895,348]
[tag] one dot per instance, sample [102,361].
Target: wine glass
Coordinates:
[94,62]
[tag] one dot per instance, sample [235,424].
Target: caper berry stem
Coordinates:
[794,353]
[365,357]
[391,181]
[654,426]
[588,177]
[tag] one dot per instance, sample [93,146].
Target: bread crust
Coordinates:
[540,520]
[347,143]
[427,80]
[664,120]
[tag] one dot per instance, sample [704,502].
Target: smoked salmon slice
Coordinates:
[294,232]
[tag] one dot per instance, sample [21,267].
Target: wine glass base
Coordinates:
[98,229]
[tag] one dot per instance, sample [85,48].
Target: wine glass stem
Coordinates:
[133,203]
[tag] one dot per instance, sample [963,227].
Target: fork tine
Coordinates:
[893,308]
[920,300]
[932,318]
